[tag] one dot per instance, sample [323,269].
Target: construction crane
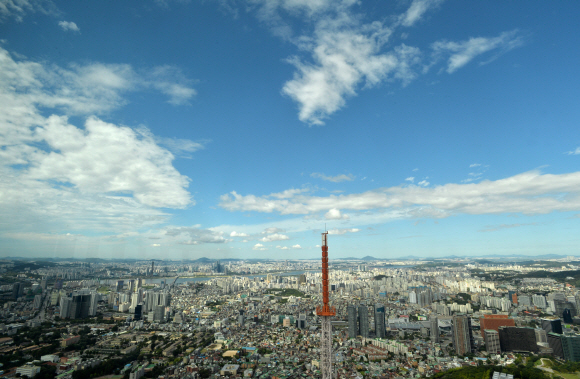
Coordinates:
[325,313]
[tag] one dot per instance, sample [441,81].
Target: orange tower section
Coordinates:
[325,310]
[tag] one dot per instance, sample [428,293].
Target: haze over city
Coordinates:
[228,129]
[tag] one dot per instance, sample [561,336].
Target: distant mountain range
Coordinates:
[368,258]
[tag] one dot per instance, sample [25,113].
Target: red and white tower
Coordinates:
[325,312]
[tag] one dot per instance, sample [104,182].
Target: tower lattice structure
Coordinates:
[325,313]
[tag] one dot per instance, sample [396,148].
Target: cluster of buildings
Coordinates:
[390,321]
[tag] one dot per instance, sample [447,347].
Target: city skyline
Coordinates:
[232,129]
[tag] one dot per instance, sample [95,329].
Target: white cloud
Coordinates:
[343,52]
[117,174]
[194,235]
[343,231]
[410,179]
[92,88]
[417,10]
[68,25]
[335,179]
[236,234]
[574,152]
[178,146]
[283,247]
[415,169]
[275,237]
[529,193]
[259,246]
[296,247]
[273,230]
[334,214]
[423,183]
[155,244]
[504,226]
[170,81]
[463,52]
[474,165]
[18,8]
[345,55]
[105,158]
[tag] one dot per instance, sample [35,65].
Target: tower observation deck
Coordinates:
[325,312]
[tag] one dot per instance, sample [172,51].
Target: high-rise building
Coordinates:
[463,342]
[80,305]
[65,305]
[159,313]
[567,315]
[512,338]
[555,343]
[571,348]
[561,305]
[434,329]
[541,335]
[37,302]
[551,325]
[363,320]
[94,302]
[492,345]
[138,312]
[352,321]
[17,290]
[524,300]
[380,330]
[539,301]
[301,321]
[131,285]
[494,322]
[241,317]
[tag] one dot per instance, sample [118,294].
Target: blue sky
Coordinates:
[239,129]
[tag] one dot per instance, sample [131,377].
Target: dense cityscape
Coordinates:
[244,318]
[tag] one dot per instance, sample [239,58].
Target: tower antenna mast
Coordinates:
[325,313]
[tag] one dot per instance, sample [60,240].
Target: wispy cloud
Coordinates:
[529,193]
[416,11]
[335,179]
[273,230]
[274,237]
[495,228]
[195,235]
[343,231]
[465,51]
[574,152]
[259,247]
[236,234]
[342,52]
[17,9]
[68,25]
[410,179]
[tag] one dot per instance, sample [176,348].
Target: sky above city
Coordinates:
[243,129]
